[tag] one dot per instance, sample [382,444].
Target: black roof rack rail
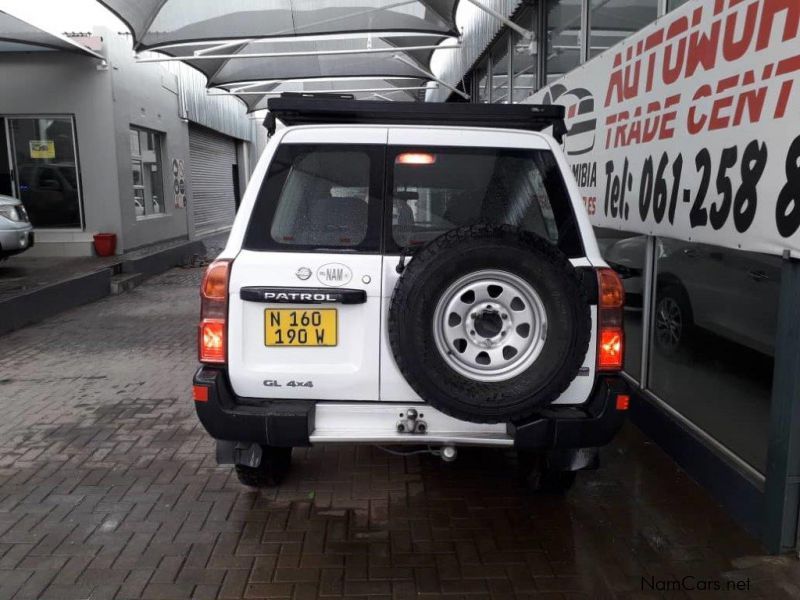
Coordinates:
[315,109]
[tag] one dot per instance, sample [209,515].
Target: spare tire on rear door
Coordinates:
[489,323]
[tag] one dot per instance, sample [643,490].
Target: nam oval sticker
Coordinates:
[334,274]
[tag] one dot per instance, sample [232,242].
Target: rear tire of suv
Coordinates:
[540,478]
[546,481]
[275,463]
[489,323]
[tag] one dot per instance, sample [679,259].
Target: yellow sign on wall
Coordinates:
[42,148]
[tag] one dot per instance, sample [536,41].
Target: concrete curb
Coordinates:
[32,306]
[158,262]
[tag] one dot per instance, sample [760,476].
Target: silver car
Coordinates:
[16,231]
[731,293]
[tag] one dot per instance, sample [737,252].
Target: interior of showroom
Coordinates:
[677,135]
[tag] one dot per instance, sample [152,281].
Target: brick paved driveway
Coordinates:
[108,489]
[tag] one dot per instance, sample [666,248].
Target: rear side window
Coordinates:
[323,197]
[438,189]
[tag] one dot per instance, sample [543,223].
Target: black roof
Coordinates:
[307,109]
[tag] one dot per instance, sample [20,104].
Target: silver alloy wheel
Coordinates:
[669,323]
[490,325]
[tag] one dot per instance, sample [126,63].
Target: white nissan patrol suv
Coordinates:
[411,274]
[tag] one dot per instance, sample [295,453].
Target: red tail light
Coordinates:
[610,335]
[212,340]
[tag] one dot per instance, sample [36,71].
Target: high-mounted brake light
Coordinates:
[212,336]
[415,158]
[610,335]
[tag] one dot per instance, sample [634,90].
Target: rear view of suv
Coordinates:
[411,275]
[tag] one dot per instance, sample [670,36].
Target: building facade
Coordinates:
[682,140]
[117,146]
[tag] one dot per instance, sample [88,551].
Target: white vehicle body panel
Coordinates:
[362,367]
[347,371]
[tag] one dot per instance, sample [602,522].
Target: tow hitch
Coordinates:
[411,422]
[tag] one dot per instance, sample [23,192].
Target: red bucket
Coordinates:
[105,244]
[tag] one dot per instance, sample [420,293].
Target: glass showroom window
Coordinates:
[563,37]
[713,341]
[611,21]
[148,174]
[523,62]
[46,170]
[501,84]
[626,253]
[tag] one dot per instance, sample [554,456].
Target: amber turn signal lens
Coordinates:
[610,291]
[215,280]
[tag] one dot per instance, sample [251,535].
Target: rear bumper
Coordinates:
[286,423]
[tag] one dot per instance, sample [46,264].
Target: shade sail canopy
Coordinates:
[397,90]
[17,35]
[157,23]
[304,58]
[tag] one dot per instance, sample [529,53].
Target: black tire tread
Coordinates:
[275,463]
[483,231]
[539,477]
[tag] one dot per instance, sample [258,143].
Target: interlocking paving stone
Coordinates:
[109,489]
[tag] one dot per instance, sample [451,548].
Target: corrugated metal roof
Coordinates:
[479,29]
[226,114]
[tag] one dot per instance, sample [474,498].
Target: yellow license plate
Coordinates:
[298,327]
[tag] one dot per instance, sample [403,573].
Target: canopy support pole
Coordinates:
[405,59]
[249,85]
[527,34]
[222,46]
[352,91]
[293,54]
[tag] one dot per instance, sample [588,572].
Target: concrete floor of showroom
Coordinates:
[109,489]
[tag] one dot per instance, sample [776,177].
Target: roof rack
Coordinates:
[314,109]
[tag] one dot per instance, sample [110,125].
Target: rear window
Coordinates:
[330,197]
[437,189]
[320,197]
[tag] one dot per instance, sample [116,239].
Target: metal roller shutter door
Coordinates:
[212,156]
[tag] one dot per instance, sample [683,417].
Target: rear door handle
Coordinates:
[758,275]
[293,295]
[690,252]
